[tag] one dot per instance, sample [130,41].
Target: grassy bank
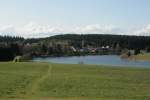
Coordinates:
[42,81]
[145,56]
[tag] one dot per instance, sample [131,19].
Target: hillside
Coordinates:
[131,42]
[71,45]
[124,41]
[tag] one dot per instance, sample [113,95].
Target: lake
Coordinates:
[112,60]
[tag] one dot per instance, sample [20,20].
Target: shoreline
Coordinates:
[140,57]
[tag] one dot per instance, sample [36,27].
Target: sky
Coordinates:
[42,18]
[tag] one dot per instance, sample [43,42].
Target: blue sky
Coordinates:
[76,16]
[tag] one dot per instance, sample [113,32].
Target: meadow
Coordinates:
[49,81]
[145,57]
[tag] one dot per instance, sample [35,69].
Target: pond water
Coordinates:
[112,60]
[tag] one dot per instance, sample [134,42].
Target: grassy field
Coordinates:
[145,56]
[42,81]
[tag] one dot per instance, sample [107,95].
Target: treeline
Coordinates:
[9,51]
[7,39]
[97,40]
[70,44]
[9,47]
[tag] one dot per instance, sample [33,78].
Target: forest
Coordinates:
[70,45]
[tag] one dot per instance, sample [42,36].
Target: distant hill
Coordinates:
[71,45]
[124,41]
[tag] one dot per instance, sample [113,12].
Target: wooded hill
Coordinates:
[71,45]
[95,40]
[98,40]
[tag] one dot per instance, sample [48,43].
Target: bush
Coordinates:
[6,54]
[137,51]
[23,58]
[148,49]
[17,59]
[26,57]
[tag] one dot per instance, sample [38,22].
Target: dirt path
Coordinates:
[37,82]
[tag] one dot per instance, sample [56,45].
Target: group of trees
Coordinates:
[98,40]
[10,39]
[60,44]
[44,49]
[8,52]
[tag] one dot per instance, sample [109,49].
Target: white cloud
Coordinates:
[35,30]
[143,31]
[6,28]
[30,30]
[98,29]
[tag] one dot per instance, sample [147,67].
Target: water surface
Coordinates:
[112,60]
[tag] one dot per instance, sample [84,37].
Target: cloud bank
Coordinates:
[34,30]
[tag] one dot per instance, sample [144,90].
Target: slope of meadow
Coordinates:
[42,81]
[145,57]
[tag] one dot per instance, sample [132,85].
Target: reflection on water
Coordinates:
[112,60]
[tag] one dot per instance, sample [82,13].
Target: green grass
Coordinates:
[16,79]
[145,56]
[42,81]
